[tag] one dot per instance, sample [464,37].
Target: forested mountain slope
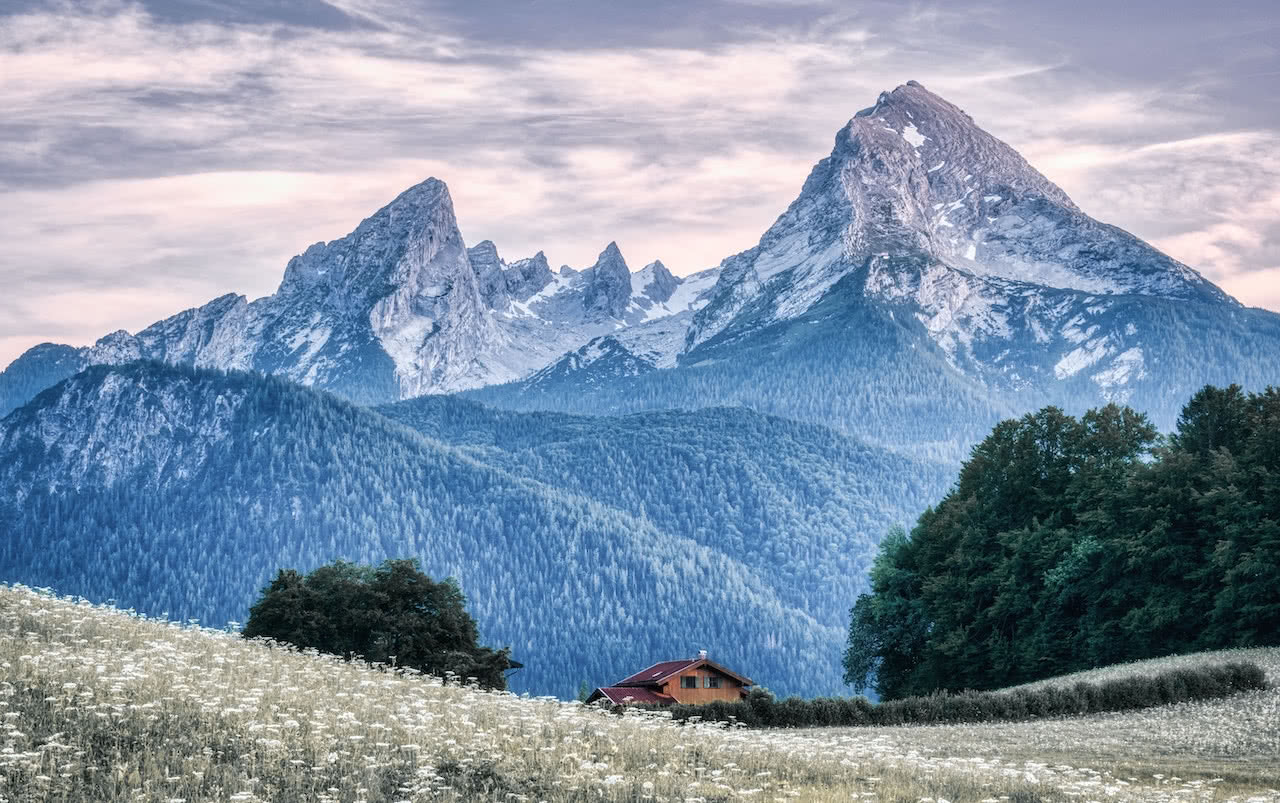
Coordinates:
[179,490]
[796,502]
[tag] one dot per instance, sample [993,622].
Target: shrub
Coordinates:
[760,710]
[392,614]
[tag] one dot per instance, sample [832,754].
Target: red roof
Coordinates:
[631,695]
[656,673]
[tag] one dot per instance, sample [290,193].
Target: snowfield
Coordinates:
[99,704]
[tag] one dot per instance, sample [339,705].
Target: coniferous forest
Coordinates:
[586,545]
[1069,543]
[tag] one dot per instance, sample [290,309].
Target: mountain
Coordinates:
[396,309]
[589,545]
[926,281]
[933,208]
[793,501]
[928,275]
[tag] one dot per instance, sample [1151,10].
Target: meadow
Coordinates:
[98,704]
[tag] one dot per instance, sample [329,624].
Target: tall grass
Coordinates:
[100,705]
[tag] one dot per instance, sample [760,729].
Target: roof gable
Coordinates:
[663,671]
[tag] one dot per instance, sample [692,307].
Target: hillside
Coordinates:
[182,491]
[101,705]
[798,503]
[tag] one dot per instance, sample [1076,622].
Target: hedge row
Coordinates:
[761,710]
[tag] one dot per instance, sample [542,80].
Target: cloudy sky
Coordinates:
[154,155]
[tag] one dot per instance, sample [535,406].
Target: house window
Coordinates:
[689,682]
[712,682]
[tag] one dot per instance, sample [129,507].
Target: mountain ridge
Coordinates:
[918,220]
[397,308]
[932,224]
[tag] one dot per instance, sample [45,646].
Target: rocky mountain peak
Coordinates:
[490,273]
[484,251]
[942,133]
[383,252]
[656,282]
[527,276]
[609,286]
[912,184]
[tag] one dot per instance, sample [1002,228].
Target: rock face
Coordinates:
[528,276]
[922,239]
[656,282]
[608,289]
[489,273]
[918,219]
[104,428]
[932,207]
[398,289]
[396,309]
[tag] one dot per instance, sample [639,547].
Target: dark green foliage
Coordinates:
[393,614]
[1122,694]
[1072,543]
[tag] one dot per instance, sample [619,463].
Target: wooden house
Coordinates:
[694,680]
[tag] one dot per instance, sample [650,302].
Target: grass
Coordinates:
[101,705]
[1235,740]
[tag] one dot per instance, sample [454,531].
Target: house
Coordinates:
[694,680]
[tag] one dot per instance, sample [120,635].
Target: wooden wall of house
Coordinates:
[730,690]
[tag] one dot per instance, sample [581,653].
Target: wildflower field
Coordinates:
[102,705]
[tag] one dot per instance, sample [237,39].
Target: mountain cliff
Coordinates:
[398,308]
[924,247]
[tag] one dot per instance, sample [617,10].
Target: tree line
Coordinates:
[1068,543]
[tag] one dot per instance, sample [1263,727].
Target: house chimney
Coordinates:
[702,655]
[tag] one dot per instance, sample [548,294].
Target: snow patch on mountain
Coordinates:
[914,137]
[1129,365]
[1081,358]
